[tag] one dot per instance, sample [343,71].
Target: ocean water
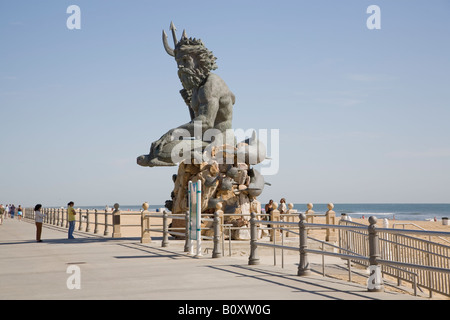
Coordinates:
[397,211]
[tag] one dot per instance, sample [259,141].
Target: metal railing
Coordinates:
[406,257]
[391,251]
[166,217]
[102,219]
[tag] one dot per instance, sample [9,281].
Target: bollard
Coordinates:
[145,224]
[165,241]
[375,281]
[253,259]
[331,219]
[303,266]
[217,253]
[116,222]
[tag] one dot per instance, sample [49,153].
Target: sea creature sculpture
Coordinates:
[251,151]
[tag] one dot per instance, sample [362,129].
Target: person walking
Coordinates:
[39,219]
[2,212]
[7,211]
[71,215]
[19,212]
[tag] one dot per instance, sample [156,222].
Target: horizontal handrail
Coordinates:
[374,245]
[413,266]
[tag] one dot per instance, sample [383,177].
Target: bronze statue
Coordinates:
[209,99]
[214,157]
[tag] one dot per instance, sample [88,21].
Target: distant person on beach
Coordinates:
[19,212]
[282,207]
[39,219]
[2,212]
[12,211]
[71,215]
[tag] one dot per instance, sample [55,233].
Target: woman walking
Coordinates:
[39,219]
[19,212]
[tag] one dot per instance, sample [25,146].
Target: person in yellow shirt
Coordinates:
[71,215]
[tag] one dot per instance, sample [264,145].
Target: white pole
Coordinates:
[190,245]
[198,221]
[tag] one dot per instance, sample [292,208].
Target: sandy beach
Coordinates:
[395,224]
[414,225]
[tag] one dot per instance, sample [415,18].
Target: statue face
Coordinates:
[188,71]
[185,61]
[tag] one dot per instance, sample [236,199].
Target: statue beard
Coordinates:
[190,78]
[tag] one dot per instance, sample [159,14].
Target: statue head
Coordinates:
[194,60]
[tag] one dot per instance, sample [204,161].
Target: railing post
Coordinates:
[288,216]
[81,222]
[61,210]
[88,228]
[253,259]
[309,213]
[217,253]
[375,281]
[274,216]
[67,217]
[95,221]
[165,241]
[145,224]
[106,232]
[303,266]
[116,222]
[331,219]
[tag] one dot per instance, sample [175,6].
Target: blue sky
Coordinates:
[362,114]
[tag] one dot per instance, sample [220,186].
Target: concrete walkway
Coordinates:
[126,269]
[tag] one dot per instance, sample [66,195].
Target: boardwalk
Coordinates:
[126,269]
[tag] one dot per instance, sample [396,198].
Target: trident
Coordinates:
[169,50]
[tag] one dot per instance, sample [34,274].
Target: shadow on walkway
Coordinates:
[321,288]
